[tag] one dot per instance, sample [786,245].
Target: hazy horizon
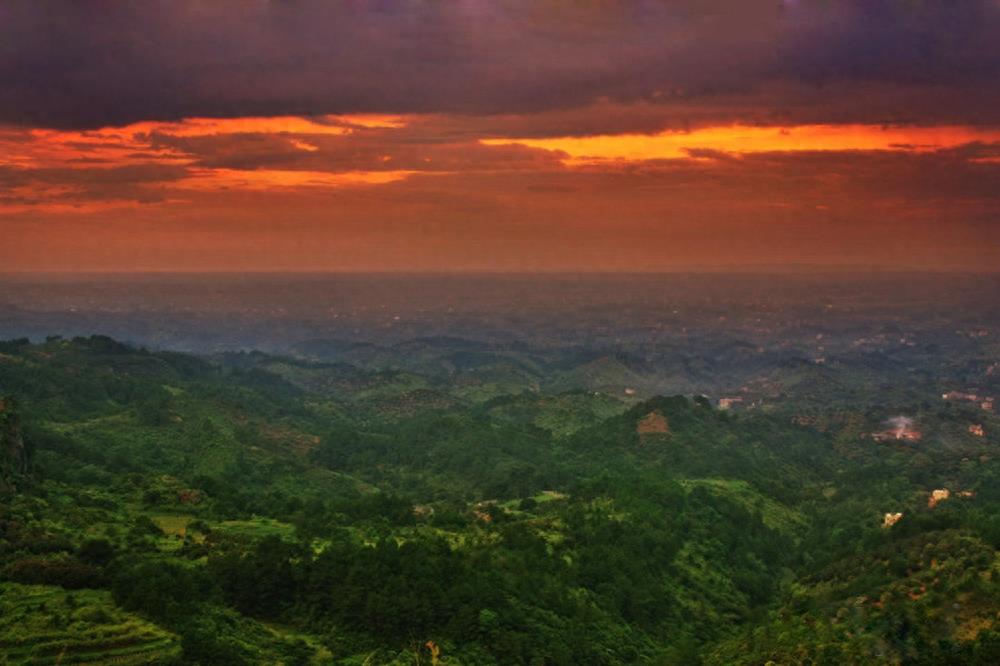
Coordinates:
[770,269]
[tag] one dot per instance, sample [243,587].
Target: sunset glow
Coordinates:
[742,139]
[499,332]
[662,138]
[265,180]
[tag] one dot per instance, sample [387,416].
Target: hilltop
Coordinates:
[252,508]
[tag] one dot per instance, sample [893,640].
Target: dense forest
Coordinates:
[241,508]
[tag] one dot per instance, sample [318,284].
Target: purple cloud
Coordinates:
[89,64]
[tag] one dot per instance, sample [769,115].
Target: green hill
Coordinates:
[248,508]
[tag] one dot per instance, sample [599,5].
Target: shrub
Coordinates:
[64,571]
[96,551]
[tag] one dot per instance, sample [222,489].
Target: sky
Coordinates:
[293,135]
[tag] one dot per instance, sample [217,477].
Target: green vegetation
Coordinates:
[50,625]
[248,509]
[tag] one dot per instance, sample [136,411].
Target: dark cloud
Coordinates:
[412,149]
[57,186]
[926,42]
[89,64]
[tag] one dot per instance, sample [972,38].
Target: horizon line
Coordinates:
[763,269]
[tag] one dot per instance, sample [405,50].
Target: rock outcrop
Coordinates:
[937,496]
[891,519]
[654,423]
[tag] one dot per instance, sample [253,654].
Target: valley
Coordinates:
[377,502]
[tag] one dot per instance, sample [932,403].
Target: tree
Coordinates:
[96,551]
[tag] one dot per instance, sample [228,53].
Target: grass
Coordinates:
[565,414]
[321,655]
[257,528]
[775,515]
[549,496]
[48,625]
[173,525]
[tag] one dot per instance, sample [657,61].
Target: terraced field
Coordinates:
[49,625]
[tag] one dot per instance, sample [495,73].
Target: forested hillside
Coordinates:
[245,508]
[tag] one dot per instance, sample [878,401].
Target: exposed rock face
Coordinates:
[727,403]
[900,428]
[984,401]
[937,496]
[891,519]
[190,496]
[653,423]
[13,453]
[977,430]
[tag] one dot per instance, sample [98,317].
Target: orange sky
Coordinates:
[403,193]
[501,137]
[742,139]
